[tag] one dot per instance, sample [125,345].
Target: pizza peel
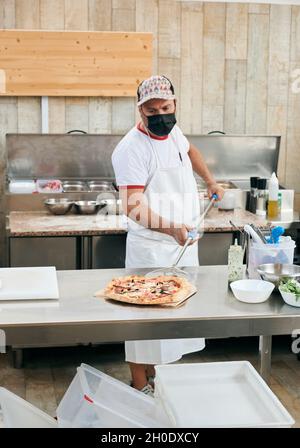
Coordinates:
[192,235]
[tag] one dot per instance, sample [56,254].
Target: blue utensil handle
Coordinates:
[214,196]
[192,234]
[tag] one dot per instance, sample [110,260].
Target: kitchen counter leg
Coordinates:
[18,358]
[265,350]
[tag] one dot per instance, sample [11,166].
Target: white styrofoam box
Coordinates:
[18,413]
[219,394]
[96,400]
[28,283]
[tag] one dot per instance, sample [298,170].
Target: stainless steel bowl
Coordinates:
[111,206]
[86,207]
[276,272]
[69,186]
[58,206]
[100,186]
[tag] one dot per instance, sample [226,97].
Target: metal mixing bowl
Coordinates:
[86,207]
[59,206]
[276,272]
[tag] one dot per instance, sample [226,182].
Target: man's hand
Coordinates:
[180,234]
[214,188]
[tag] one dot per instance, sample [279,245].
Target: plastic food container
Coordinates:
[22,186]
[219,394]
[49,186]
[282,253]
[18,413]
[95,400]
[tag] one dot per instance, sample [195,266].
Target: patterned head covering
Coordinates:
[157,86]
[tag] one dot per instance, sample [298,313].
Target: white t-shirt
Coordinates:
[134,160]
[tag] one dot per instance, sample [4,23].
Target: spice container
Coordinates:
[261,201]
[235,262]
[253,194]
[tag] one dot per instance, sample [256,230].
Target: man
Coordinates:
[154,166]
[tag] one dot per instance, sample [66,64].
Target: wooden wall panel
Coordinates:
[191,68]
[236,30]
[213,67]
[100,108]
[235,96]
[29,109]
[7,13]
[278,81]
[123,109]
[169,29]
[257,8]
[230,64]
[52,14]
[257,73]
[53,18]
[100,12]
[293,134]
[147,20]
[295,34]
[27,14]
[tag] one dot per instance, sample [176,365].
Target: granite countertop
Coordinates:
[22,224]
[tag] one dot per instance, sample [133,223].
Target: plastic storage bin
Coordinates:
[95,400]
[20,186]
[49,186]
[270,253]
[18,413]
[220,394]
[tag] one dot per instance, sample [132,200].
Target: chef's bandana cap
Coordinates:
[157,86]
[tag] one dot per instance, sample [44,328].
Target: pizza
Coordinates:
[148,290]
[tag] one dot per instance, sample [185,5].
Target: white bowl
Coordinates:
[252,291]
[290,298]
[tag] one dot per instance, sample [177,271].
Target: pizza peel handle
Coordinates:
[193,234]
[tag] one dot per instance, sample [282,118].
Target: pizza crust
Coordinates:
[185,289]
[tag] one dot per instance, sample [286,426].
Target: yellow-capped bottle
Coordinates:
[273,197]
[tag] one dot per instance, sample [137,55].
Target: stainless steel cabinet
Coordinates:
[108,251]
[213,248]
[60,252]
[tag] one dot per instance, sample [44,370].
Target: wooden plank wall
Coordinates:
[233,65]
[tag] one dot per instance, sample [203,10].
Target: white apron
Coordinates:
[146,248]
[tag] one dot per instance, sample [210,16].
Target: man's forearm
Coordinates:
[137,209]
[199,165]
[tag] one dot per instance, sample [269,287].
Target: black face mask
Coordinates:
[161,124]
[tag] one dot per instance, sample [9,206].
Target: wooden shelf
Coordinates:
[73,63]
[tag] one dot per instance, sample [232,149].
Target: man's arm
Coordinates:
[200,167]
[135,206]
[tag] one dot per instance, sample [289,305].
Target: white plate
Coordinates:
[252,290]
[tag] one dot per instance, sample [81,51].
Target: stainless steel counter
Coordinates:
[78,317]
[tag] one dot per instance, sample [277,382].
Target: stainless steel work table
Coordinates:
[78,317]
